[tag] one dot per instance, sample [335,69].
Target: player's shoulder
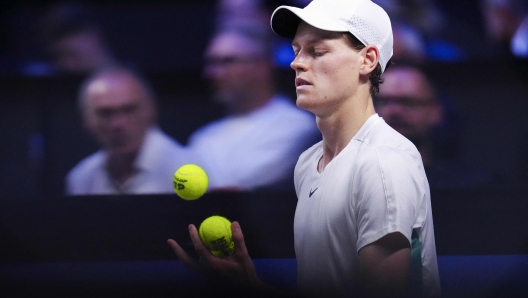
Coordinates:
[383,146]
[385,139]
[379,133]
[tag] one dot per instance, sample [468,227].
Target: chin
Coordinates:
[306,104]
[303,102]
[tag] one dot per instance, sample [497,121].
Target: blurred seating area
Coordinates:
[113,246]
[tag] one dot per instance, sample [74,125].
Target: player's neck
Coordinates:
[338,129]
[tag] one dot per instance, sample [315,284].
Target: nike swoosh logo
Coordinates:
[312,192]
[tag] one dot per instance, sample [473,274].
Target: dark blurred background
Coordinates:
[42,138]
[42,135]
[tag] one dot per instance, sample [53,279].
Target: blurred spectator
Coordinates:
[408,44]
[421,14]
[250,11]
[422,31]
[257,144]
[506,24]
[74,39]
[408,102]
[119,110]
[240,11]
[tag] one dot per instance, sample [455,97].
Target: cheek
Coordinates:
[325,76]
[140,124]
[93,125]
[238,71]
[338,81]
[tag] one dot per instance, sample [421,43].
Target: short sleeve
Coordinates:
[388,193]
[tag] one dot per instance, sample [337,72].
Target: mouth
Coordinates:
[301,82]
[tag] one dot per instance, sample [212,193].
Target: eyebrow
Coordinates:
[319,39]
[310,41]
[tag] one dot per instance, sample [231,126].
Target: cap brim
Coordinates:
[286,19]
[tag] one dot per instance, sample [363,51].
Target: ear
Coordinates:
[370,55]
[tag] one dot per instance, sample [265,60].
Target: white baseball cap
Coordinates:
[367,21]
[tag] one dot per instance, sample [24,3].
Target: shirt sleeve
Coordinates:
[388,193]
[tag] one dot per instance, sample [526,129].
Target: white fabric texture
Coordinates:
[159,157]
[257,149]
[375,186]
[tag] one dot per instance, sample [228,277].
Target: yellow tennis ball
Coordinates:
[216,234]
[190,182]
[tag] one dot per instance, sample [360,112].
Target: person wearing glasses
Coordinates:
[410,104]
[258,141]
[118,109]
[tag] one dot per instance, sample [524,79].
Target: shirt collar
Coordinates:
[147,157]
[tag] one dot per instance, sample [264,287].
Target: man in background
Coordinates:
[257,144]
[409,103]
[74,39]
[119,110]
[506,26]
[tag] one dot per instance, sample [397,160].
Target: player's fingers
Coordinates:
[182,255]
[186,260]
[199,246]
[207,259]
[238,239]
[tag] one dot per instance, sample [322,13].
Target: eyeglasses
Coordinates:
[228,61]
[109,114]
[409,103]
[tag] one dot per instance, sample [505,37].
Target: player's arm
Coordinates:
[385,265]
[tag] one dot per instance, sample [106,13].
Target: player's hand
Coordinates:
[238,268]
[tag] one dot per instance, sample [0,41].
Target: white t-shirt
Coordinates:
[375,186]
[159,157]
[256,149]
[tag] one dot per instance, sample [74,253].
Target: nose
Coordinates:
[119,120]
[299,64]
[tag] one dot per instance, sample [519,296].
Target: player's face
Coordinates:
[233,68]
[118,112]
[407,103]
[326,68]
